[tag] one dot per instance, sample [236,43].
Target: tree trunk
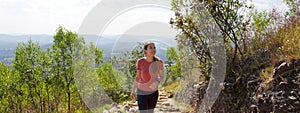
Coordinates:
[69,98]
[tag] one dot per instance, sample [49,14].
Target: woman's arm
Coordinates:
[161,72]
[161,76]
[159,79]
[137,78]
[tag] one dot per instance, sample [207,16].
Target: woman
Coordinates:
[149,74]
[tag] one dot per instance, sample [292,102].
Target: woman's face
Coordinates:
[151,50]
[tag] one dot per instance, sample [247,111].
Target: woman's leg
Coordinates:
[147,103]
[142,102]
[152,101]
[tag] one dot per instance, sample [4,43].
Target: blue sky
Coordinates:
[44,16]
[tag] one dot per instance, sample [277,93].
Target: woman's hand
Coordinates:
[154,85]
[132,95]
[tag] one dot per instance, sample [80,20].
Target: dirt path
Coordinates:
[164,105]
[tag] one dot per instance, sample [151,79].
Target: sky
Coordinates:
[42,16]
[45,16]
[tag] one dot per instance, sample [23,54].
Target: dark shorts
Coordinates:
[147,100]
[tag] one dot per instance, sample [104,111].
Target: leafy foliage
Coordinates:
[255,44]
[127,65]
[173,65]
[42,81]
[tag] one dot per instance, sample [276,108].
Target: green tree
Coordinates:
[107,79]
[43,81]
[46,76]
[194,20]
[253,43]
[28,64]
[294,6]
[127,64]
[87,59]
[63,50]
[11,92]
[173,67]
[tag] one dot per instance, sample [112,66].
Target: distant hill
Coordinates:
[112,45]
[119,44]
[11,41]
